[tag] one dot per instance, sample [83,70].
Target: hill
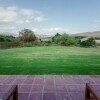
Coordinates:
[95,34]
[85,35]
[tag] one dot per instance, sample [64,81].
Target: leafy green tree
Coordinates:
[27,35]
[65,40]
[7,38]
[90,42]
[2,39]
[56,35]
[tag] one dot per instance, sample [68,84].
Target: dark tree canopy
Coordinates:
[56,35]
[88,43]
[27,35]
[6,38]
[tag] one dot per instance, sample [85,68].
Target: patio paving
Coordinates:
[48,87]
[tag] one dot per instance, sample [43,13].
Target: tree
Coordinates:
[65,40]
[56,35]
[27,35]
[90,42]
[2,39]
[7,38]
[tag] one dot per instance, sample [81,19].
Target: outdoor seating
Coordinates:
[11,93]
[93,90]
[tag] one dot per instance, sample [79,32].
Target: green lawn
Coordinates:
[50,60]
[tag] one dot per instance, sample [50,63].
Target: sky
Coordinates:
[47,17]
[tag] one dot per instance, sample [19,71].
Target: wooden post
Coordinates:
[89,89]
[15,95]
[87,93]
[12,92]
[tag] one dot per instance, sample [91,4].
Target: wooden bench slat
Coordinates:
[12,92]
[90,89]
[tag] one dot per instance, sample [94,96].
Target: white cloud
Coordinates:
[50,31]
[55,30]
[31,14]
[26,12]
[96,21]
[35,30]
[40,18]
[27,21]
[94,26]
[12,8]
[17,17]
[7,15]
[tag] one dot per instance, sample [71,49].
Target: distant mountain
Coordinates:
[85,35]
[95,34]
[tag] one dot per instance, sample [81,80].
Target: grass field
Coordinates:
[50,60]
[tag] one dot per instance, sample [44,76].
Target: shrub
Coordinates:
[65,40]
[27,44]
[9,44]
[2,39]
[8,40]
[90,42]
[46,44]
[56,35]
[27,35]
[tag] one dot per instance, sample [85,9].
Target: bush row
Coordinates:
[4,45]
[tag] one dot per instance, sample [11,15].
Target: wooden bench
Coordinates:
[11,93]
[90,89]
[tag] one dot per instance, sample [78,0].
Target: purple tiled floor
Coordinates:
[48,87]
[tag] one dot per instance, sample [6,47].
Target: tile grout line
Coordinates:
[88,79]
[31,88]
[23,82]
[13,81]
[83,79]
[55,88]
[93,80]
[8,84]
[6,78]
[65,87]
[43,88]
